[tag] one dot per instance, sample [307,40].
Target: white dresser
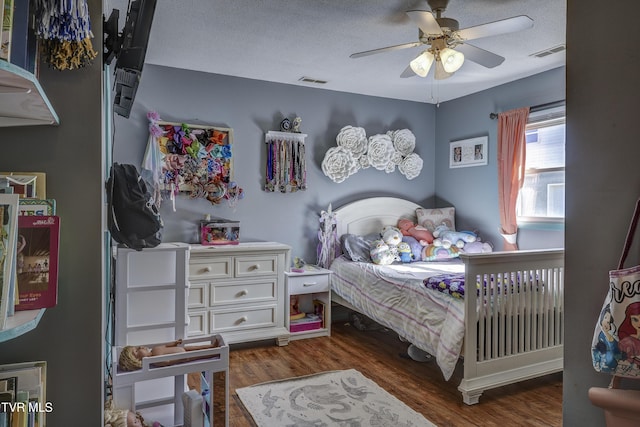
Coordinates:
[239,291]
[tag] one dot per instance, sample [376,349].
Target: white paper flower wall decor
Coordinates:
[383,152]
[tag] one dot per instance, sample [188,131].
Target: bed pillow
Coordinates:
[440,253]
[357,248]
[431,218]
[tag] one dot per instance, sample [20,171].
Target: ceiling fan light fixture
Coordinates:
[451,59]
[422,63]
[439,72]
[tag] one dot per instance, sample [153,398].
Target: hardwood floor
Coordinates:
[376,354]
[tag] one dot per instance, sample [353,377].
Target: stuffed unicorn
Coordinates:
[446,238]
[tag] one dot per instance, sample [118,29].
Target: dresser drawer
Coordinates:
[308,284]
[198,295]
[246,291]
[197,323]
[211,268]
[259,265]
[248,318]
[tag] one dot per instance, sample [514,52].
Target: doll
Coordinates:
[131,356]
[122,418]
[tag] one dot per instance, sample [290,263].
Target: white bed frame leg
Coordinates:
[471,398]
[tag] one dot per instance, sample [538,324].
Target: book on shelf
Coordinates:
[6,30]
[8,249]
[30,388]
[319,310]
[36,181]
[308,318]
[8,390]
[37,262]
[37,207]
[23,37]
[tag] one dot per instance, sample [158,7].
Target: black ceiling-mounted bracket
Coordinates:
[111,37]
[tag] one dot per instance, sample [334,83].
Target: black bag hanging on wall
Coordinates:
[132,217]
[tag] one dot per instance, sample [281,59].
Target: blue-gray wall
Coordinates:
[473,190]
[251,108]
[69,337]
[602,183]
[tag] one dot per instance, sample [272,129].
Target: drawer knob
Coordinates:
[254,267]
[207,269]
[309,284]
[243,293]
[243,319]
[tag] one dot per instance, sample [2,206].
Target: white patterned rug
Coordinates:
[337,398]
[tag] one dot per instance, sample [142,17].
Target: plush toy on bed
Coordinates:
[381,253]
[420,233]
[415,246]
[404,252]
[447,238]
[477,247]
[392,237]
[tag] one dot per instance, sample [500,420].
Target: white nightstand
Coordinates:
[312,288]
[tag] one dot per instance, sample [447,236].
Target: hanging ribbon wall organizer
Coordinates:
[285,168]
[64,32]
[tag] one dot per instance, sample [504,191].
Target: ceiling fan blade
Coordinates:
[480,56]
[384,49]
[408,72]
[509,25]
[425,21]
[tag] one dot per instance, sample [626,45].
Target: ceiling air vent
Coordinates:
[312,80]
[549,51]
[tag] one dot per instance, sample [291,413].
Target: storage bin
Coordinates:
[219,231]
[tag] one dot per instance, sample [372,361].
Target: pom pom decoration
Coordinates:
[410,166]
[384,152]
[64,30]
[353,139]
[404,141]
[339,164]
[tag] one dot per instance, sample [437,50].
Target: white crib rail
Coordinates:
[514,326]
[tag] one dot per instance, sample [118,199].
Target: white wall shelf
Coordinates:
[20,323]
[22,99]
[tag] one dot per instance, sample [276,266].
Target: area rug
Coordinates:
[337,398]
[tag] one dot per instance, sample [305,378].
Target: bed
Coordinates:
[507,326]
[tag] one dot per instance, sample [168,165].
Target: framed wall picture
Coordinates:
[469,152]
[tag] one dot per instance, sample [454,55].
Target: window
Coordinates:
[541,197]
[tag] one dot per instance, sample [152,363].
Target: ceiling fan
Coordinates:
[446,44]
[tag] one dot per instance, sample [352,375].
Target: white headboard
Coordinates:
[370,215]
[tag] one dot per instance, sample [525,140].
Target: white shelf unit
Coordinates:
[150,294]
[20,323]
[309,286]
[151,307]
[22,99]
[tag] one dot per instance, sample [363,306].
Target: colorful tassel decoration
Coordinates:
[64,31]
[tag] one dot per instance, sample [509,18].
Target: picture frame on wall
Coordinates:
[469,152]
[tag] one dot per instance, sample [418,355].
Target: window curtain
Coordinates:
[511,163]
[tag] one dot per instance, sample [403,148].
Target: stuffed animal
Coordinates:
[392,237]
[420,233]
[404,252]
[380,253]
[416,247]
[446,238]
[477,247]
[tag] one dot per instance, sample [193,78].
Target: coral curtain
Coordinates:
[511,163]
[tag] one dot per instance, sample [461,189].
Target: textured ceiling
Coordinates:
[282,41]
